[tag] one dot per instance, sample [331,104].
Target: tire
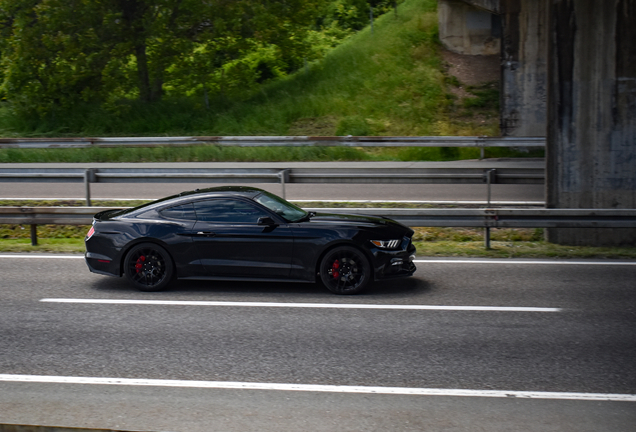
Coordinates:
[148,267]
[345,270]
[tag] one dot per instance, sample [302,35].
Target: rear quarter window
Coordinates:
[180,212]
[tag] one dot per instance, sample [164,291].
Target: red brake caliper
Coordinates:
[139,263]
[334,269]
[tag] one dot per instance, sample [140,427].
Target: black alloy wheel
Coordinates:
[148,267]
[345,270]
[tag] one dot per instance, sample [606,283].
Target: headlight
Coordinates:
[386,244]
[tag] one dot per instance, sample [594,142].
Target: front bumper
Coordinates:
[394,264]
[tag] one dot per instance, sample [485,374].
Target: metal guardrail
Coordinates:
[479,218]
[358,175]
[274,175]
[284,141]
[440,217]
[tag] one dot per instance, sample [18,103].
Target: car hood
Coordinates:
[355,219]
[340,217]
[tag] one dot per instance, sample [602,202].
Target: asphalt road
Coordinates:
[393,192]
[436,192]
[335,361]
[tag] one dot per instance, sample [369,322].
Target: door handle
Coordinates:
[205,234]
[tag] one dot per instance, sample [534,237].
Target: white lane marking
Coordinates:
[515,262]
[50,256]
[432,261]
[319,388]
[301,305]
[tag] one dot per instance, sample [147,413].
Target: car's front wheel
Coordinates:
[345,270]
[148,267]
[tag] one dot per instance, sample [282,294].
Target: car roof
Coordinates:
[220,191]
[246,191]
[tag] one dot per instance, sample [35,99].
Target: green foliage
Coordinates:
[346,14]
[57,53]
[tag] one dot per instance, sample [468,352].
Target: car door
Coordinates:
[174,227]
[230,241]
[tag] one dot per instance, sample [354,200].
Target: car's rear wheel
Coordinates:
[148,267]
[345,270]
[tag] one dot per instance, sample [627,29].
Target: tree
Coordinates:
[61,52]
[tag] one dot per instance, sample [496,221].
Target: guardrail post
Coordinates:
[284,178]
[487,237]
[34,235]
[490,177]
[89,177]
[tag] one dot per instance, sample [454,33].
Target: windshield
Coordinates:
[281,207]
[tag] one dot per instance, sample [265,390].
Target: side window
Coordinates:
[228,211]
[181,212]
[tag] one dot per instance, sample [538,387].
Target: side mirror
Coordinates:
[266,221]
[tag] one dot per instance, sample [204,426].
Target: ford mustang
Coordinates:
[247,234]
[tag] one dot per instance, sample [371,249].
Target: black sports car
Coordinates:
[245,233]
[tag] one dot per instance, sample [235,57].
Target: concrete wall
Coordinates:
[493,6]
[465,29]
[524,68]
[591,140]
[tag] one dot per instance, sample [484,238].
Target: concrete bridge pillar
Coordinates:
[524,67]
[466,29]
[516,31]
[591,133]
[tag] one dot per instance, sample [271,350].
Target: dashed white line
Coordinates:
[41,256]
[300,305]
[319,388]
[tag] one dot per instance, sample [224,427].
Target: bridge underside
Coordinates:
[568,72]
[516,31]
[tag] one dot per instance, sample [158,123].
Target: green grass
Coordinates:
[45,245]
[391,82]
[256,154]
